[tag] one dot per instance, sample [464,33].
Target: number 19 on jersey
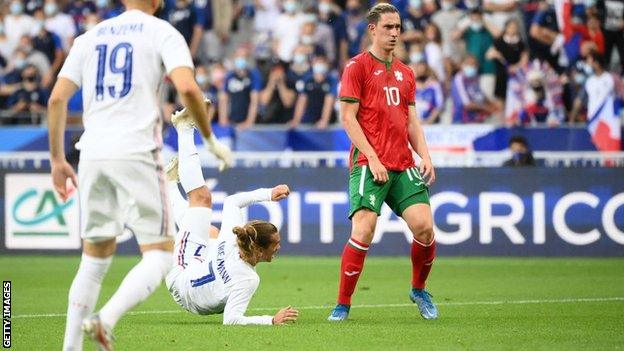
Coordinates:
[112,63]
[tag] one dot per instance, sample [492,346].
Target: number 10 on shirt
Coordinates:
[112,62]
[392,96]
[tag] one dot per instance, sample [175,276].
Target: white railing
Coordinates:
[285,159]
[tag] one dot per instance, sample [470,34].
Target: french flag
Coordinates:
[604,123]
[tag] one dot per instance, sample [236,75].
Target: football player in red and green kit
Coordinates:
[377,104]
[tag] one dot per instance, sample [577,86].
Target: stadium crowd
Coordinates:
[517,62]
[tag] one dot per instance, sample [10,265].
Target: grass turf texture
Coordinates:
[40,286]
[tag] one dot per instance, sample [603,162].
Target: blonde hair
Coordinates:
[254,237]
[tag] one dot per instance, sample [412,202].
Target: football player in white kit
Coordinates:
[119,65]
[213,273]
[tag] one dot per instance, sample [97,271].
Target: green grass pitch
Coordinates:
[484,304]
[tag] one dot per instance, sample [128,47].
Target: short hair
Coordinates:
[598,57]
[519,139]
[374,14]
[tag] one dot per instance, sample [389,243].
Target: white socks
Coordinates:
[83,295]
[178,203]
[189,165]
[137,286]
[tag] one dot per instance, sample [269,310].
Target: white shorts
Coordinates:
[118,195]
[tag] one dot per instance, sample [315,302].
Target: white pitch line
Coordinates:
[468,303]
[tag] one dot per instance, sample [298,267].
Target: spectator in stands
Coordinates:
[417,54]
[266,11]
[446,19]
[499,12]
[60,24]
[319,35]
[433,51]
[477,36]
[183,17]
[17,23]
[356,27]
[521,153]
[278,97]
[30,97]
[50,45]
[578,95]
[470,105]
[537,104]
[32,6]
[287,30]
[79,10]
[108,9]
[316,100]
[34,57]
[7,47]
[414,23]
[613,28]
[429,96]
[238,100]
[329,14]
[509,53]
[547,40]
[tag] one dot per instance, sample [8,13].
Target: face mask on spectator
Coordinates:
[579,78]
[299,59]
[589,70]
[319,68]
[307,39]
[201,79]
[590,3]
[511,39]
[19,63]
[476,26]
[415,4]
[417,57]
[324,7]
[50,9]
[240,63]
[290,6]
[37,27]
[447,5]
[101,3]
[16,8]
[1,29]
[470,71]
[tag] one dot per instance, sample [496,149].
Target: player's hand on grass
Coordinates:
[286,315]
[61,172]
[280,192]
[427,171]
[222,151]
[379,171]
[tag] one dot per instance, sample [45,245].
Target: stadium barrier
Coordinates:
[477,211]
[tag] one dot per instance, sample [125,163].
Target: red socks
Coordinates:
[422,259]
[350,269]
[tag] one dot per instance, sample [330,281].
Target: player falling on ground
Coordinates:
[379,115]
[216,274]
[119,65]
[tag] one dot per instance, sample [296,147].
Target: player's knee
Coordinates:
[159,259]
[200,197]
[424,234]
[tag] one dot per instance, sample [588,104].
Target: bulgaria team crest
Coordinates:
[398,75]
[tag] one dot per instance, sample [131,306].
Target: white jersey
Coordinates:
[219,281]
[119,65]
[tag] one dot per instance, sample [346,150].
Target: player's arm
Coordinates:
[63,90]
[191,97]
[417,140]
[236,306]
[300,106]
[234,204]
[351,125]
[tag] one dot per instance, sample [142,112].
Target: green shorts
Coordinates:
[402,190]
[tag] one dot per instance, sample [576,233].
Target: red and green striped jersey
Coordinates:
[384,91]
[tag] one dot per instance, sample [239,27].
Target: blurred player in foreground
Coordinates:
[119,65]
[213,273]
[379,115]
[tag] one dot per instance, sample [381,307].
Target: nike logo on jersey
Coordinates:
[378,72]
[350,63]
[351,274]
